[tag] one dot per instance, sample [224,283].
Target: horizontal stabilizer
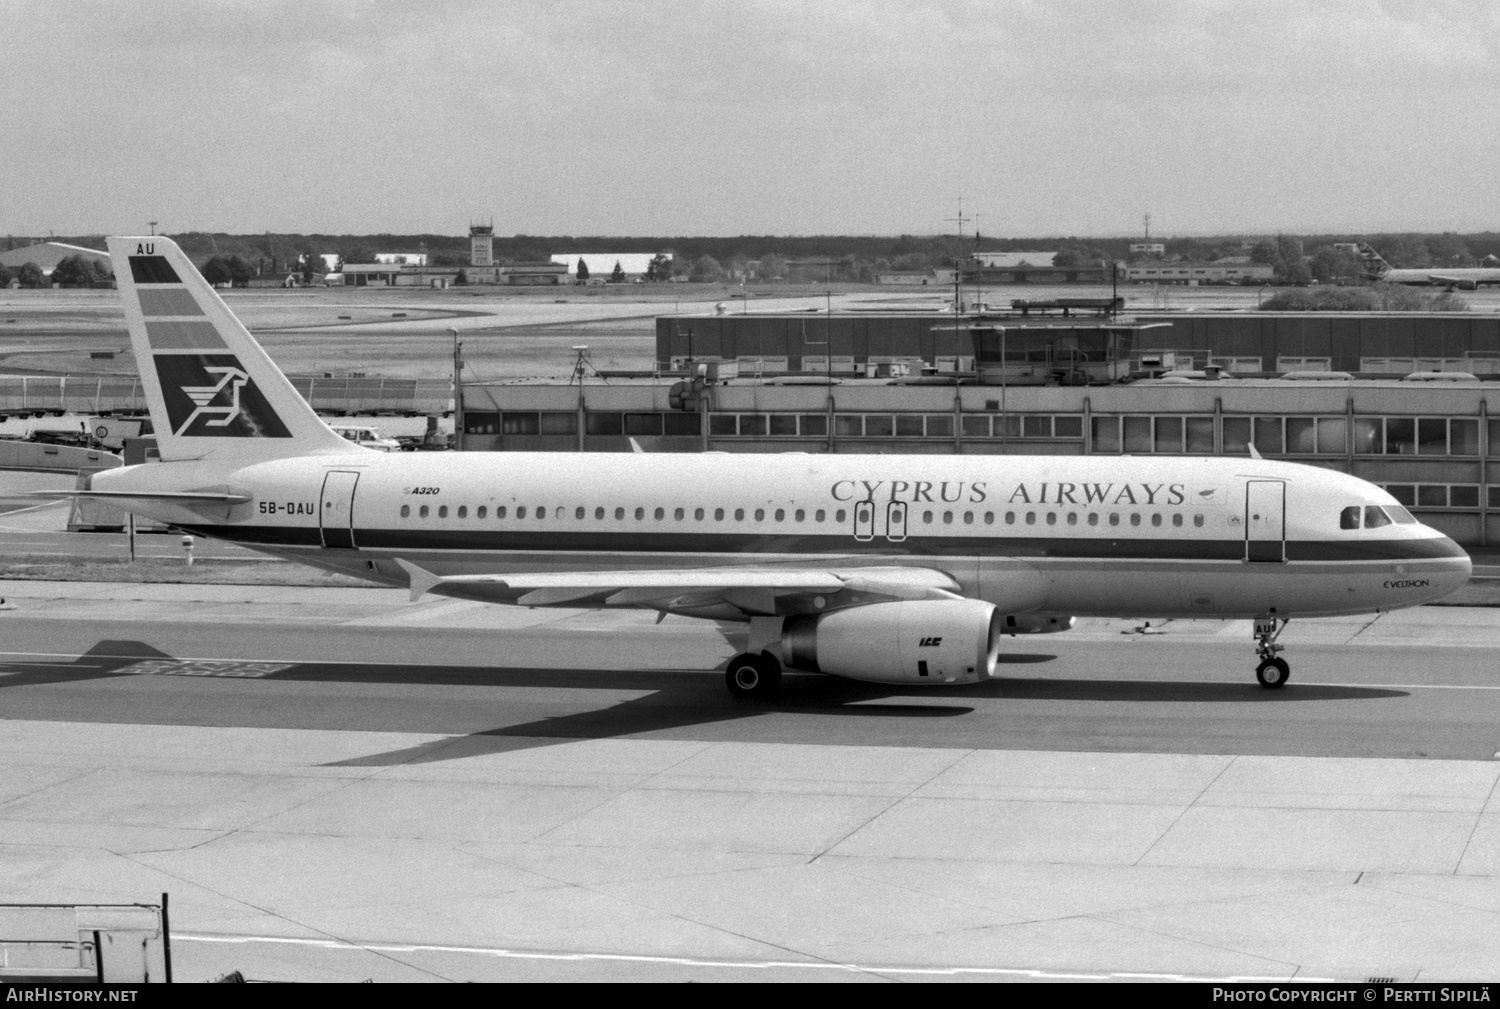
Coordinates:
[166,497]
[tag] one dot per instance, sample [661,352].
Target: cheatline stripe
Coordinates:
[537,540]
[682,961]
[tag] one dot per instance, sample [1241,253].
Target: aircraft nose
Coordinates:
[1457,568]
[1463,563]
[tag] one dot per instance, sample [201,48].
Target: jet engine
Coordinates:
[1036,623]
[910,642]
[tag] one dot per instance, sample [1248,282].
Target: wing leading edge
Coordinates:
[717,592]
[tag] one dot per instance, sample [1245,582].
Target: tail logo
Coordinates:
[212,396]
[203,397]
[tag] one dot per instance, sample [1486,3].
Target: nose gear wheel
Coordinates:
[1273,671]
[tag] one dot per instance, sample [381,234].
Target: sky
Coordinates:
[695,118]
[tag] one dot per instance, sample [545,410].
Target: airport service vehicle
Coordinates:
[365,436]
[893,569]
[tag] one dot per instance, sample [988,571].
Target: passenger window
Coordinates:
[780,514]
[619,514]
[578,513]
[1114,518]
[500,512]
[1375,518]
[800,515]
[1177,518]
[423,512]
[839,516]
[1198,521]
[660,514]
[947,518]
[1052,518]
[463,511]
[640,513]
[481,512]
[1156,518]
[541,513]
[521,511]
[760,514]
[819,515]
[1031,518]
[927,517]
[1072,518]
[698,514]
[1093,518]
[405,511]
[442,511]
[679,514]
[718,514]
[1010,518]
[1349,517]
[739,514]
[1135,518]
[989,518]
[968,518]
[599,513]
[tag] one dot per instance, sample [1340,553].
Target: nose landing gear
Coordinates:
[1273,671]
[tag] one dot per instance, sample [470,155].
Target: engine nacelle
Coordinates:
[911,642]
[1468,285]
[1036,623]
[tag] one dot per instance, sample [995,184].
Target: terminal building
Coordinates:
[1401,401]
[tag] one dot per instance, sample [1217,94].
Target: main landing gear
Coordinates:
[757,677]
[1273,671]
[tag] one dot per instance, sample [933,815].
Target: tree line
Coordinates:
[818,258]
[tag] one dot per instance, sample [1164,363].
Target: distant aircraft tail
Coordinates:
[210,387]
[1375,266]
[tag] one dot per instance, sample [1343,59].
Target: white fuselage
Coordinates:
[1124,536]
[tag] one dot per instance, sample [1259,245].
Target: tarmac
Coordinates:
[266,755]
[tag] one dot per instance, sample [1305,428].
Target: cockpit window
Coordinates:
[1375,517]
[1349,517]
[1401,515]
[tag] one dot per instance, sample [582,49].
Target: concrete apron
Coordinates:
[302,855]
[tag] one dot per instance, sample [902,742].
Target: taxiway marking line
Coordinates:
[72,660]
[851,968]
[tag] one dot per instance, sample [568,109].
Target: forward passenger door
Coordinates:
[1265,521]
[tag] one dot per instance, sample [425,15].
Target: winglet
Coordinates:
[422,580]
[1254,452]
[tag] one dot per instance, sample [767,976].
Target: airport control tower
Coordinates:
[481,245]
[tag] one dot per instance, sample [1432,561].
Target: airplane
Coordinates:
[894,569]
[1464,278]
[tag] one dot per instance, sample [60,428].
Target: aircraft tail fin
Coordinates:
[210,387]
[1374,265]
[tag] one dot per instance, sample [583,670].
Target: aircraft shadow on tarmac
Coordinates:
[683,699]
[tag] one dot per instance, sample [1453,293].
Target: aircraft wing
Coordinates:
[707,591]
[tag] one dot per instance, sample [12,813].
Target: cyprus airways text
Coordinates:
[1061,493]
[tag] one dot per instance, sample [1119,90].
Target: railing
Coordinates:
[20,394]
